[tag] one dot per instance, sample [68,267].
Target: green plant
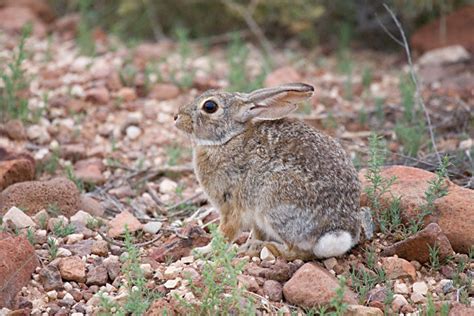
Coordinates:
[174,153]
[370,257]
[390,220]
[52,248]
[12,104]
[434,257]
[379,110]
[30,235]
[378,184]
[437,188]
[364,280]
[94,223]
[71,176]
[387,302]
[85,38]
[410,129]
[52,163]
[220,276]
[430,307]
[444,309]
[43,221]
[62,230]
[186,73]
[239,79]
[337,302]
[53,210]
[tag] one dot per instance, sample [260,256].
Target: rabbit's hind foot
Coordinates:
[253,248]
[333,244]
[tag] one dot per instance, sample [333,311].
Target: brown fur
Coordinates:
[273,175]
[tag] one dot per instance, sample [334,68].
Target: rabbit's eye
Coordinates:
[209,106]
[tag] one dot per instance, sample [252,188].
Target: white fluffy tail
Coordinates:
[333,244]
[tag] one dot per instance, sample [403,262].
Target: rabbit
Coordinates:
[294,187]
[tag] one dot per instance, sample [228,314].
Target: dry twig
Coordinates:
[418,95]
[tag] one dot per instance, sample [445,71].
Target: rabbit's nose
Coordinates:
[176,116]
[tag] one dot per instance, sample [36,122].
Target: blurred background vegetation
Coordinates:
[310,22]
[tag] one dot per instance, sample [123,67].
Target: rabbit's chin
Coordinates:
[213,142]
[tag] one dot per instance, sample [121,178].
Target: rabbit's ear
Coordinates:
[275,103]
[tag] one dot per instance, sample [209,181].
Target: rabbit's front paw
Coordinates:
[251,248]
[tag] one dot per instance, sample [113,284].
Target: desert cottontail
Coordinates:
[293,186]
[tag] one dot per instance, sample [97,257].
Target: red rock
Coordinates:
[118,223]
[176,248]
[73,269]
[248,282]
[282,75]
[161,307]
[454,213]
[127,94]
[99,95]
[91,206]
[15,130]
[458,309]
[97,276]
[398,268]
[17,262]
[459,26]
[13,19]
[73,152]
[40,8]
[15,168]
[281,271]
[416,247]
[34,196]
[90,171]
[164,91]
[313,286]
[147,52]
[273,290]
[360,310]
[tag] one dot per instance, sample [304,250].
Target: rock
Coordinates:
[313,286]
[40,8]
[41,219]
[91,206]
[417,298]
[451,211]
[273,290]
[112,264]
[127,94]
[168,186]
[458,309]
[15,168]
[18,218]
[281,271]
[147,270]
[74,238]
[34,196]
[445,55]
[176,247]
[118,223]
[330,263]
[73,269]
[17,262]
[161,307]
[171,284]
[417,247]
[164,91]
[81,248]
[63,252]
[249,283]
[458,25]
[400,288]
[266,255]
[97,276]
[420,287]
[50,278]
[281,76]
[152,227]
[81,217]
[100,248]
[98,95]
[73,152]
[90,171]
[38,134]
[14,18]
[398,268]
[133,132]
[398,302]
[360,310]
[15,130]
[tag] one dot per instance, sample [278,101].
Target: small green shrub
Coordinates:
[85,38]
[62,230]
[12,104]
